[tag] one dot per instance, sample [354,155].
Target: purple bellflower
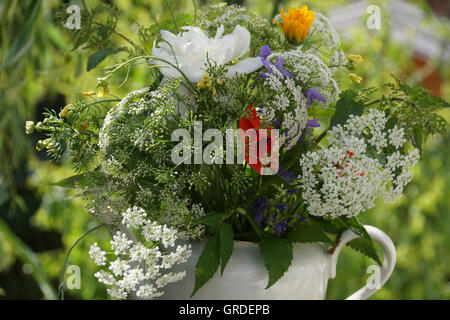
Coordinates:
[312,94]
[263,54]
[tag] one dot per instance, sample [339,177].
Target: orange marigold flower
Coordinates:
[296,23]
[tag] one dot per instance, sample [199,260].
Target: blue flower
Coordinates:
[302,218]
[312,94]
[266,52]
[258,208]
[284,72]
[281,207]
[276,123]
[288,176]
[310,124]
[279,226]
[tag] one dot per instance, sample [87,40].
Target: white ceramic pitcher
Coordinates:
[245,276]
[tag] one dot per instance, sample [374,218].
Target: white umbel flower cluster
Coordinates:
[153,108]
[288,107]
[141,267]
[134,217]
[346,178]
[322,28]
[97,254]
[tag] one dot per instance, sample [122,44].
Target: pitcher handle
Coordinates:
[388,263]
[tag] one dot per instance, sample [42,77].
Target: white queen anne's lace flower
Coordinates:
[134,217]
[148,291]
[142,267]
[120,243]
[396,137]
[346,178]
[97,255]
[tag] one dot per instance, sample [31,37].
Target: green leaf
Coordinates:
[226,244]
[356,226]
[24,39]
[211,220]
[308,234]
[345,106]
[418,139]
[366,247]
[277,255]
[207,263]
[95,58]
[75,181]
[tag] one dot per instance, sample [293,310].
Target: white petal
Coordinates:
[241,39]
[245,66]
[219,32]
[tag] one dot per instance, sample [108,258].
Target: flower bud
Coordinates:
[88,93]
[65,111]
[102,92]
[48,143]
[356,58]
[29,127]
[354,77]
[40,145]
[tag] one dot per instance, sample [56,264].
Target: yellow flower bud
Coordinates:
[66,110]
[356,58]
[102,92]
[88,93]
[39,145]
[354,77]
[206,82]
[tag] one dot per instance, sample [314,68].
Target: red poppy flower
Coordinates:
[251,120]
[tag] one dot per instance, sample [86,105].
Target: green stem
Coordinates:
[397,98]
[62,285]
[195,9]
[120,35]
[322,135]
[86,8]
[118,66]
[172,14]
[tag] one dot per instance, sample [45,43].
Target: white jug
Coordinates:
[245,276]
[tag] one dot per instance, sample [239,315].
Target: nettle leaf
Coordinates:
[366,247]
[357,227]
[211,220]
[226,243]
[95,58]
[417,140]
[345,106]
[308,234]
[207,263]
[79,180]
[277,255]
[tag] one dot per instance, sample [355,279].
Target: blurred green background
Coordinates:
[39,222]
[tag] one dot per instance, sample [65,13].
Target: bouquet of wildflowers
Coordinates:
[240,133]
